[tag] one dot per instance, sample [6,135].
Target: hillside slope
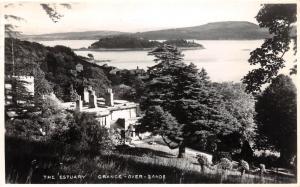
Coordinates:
[54,68]
[229,30]
[87,35]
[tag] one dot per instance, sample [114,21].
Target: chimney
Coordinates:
[85,95]
[79,104]
[109,97]
[93,99]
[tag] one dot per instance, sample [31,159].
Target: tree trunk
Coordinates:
[202,168]
[242,172]
[14,99]
[181,152]
[12,57]
[285,157]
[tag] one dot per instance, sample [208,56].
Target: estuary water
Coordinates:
[224,60]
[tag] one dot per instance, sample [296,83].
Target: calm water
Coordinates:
[224,60]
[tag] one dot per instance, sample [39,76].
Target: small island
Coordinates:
[123,41]
[181,43]
[128,42]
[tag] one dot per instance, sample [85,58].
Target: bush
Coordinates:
[270,160]
[50,105]
[116,138]
[203,161]
[219,155]
[225,164]
[83,133]
[62,129]
[243,166]
[93,138]
[262,168]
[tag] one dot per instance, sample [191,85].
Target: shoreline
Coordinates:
[133,49]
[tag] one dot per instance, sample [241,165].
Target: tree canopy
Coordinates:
[188,107]
[240,105]
[276,117]
[280,19]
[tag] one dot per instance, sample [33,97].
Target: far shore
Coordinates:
[133,49]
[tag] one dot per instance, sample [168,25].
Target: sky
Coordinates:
[132,15]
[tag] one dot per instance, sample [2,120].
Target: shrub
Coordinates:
[219,155]
[83,133]
[28,128]
[270,160]
[203,161]
[116,138]
[243,166]
[93,137]
[225,164]
[50,105]
[262,168]
[62,129]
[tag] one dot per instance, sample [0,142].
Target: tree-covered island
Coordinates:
[130,42]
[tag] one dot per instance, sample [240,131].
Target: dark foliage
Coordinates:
[188,96]
[279,19]
[131,41]
[92,138]
[51,68]
[277,117]
[217,156]
[182,43]
[247,152]
[123,41]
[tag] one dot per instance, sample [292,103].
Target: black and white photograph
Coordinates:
[149,92]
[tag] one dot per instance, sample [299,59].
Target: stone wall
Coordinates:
[110,119]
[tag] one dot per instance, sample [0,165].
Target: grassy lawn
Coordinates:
[142,163]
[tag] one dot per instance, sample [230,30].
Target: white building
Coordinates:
[119,115]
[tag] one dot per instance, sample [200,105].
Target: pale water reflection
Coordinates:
[224,60]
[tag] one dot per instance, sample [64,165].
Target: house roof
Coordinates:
[106,110]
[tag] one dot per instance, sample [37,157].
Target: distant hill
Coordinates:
[87,35]
[229,30]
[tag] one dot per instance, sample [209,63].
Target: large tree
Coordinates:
[277,117]
[184,98]
[280,19]
[240,105]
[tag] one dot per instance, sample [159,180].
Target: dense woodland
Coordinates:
[51,68]
[123,41]
[130,41]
